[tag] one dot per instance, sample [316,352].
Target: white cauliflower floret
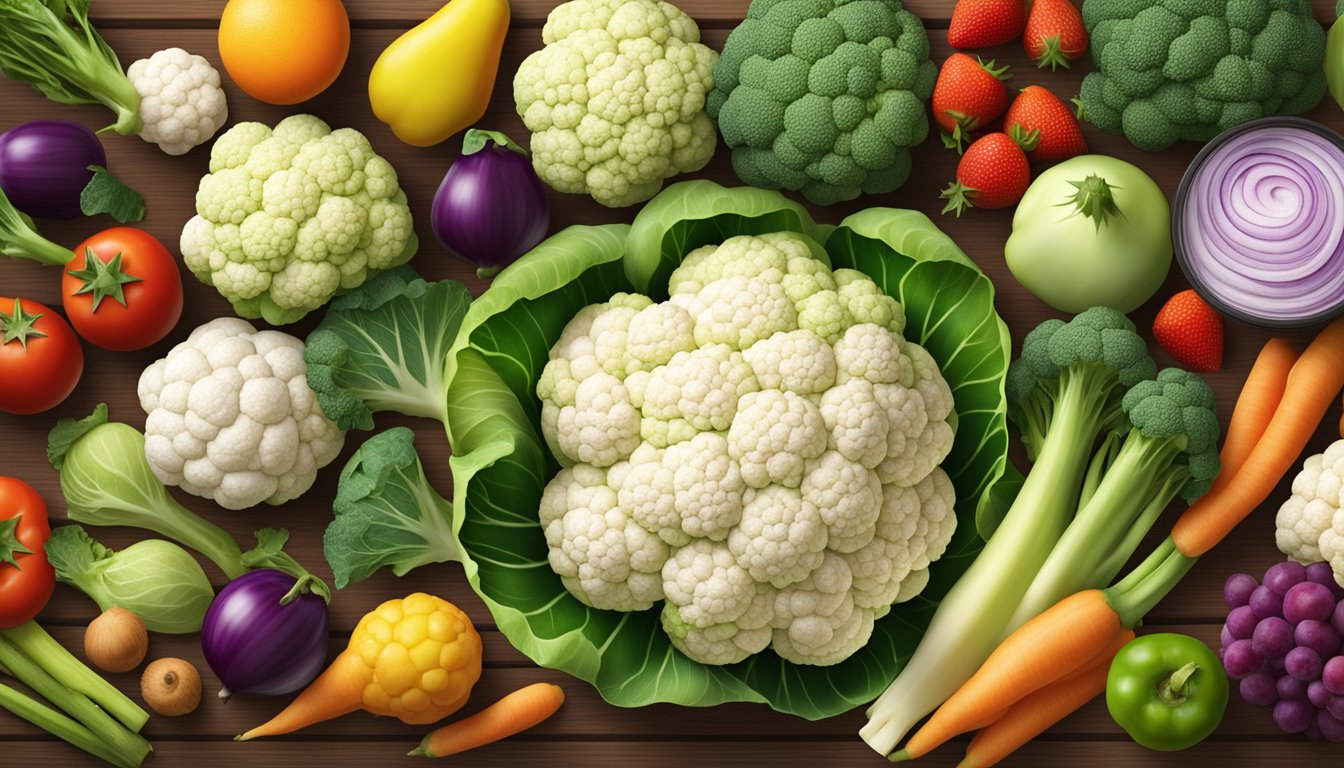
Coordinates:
[615,100]
[288,218]
[781,538]
[602,426]
[796,361]
[849,497]
[913,529]
[867,303]
[773,436]
[726,643]
[937,394]
[181,102]
[230,417]
[856,422]
[1309,527]
[696,391]
[646,490]
[873,353]
[707,584]
[764,258]
[707,484]
[816,621]
[602,555]
[740,311]
[610,332]
[655,334]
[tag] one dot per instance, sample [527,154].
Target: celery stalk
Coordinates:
[33,675]
[45,652]
[62,727]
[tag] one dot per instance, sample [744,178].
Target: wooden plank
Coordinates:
[783,751]
[585,716]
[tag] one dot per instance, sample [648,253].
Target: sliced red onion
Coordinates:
[1261,223]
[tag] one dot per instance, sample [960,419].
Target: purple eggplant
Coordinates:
[491,208]
[266,633]
[45,166]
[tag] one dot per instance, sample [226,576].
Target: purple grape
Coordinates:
[1273,638]
[1332,675]
[1318,694]
[1303,664]
[1308,601]
[1241,623]
[1318,636]
[1294,716]
[1332,728]
[1283,576]
[1322,573]
[1225,639]
[1336,707]
[1265,603]
[1291,689]
[1240,659]
[1258,688]
[1337,620]
[1238,588]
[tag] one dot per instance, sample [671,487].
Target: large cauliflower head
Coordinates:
[231,417]
[761,451]
[824,97]
[1310,524]
[289,217]
[616,99]
[181,101]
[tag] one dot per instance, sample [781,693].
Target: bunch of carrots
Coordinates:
[1057,662]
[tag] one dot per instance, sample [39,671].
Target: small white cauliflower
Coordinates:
[1310,525]
[766,436]
[615,100]
[181,102]
[230,417]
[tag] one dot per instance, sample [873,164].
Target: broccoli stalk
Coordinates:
[1066,390]
[66,60]
[19,239]
[1169,448]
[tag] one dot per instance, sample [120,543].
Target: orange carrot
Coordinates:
[1056,643]
[1259,398]
[337,691]
[512,714]
[1315,381]
[1031,716]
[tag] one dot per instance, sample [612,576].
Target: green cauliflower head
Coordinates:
[761,451]
[289,217]
[824,97]
[1171,70]
[615,100]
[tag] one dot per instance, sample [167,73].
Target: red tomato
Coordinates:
[122,290]
[40,357]
[26,578]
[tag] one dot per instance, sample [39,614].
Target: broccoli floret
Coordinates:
[1166,445]
[824,96]
[1170,70]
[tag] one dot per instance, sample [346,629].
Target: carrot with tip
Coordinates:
[1259,398]
[1035,713]
[513,714]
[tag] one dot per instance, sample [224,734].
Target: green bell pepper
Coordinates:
[1167,691]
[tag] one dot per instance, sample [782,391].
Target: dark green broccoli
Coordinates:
[1166,446]
[1170,70]
[824,97]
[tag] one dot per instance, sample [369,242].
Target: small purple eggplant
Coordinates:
[45,166]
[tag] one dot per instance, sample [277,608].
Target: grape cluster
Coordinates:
[1282,640]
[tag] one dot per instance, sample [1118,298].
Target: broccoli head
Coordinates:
[1174,418]
[824,97]
[1170,70]
[1082,367]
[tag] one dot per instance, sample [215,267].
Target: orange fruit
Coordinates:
[284,51]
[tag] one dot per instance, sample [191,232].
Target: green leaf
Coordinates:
[381,347]
[106,194]
[103,279]
[387,513]
[500,465]
[67,431]
[10,546]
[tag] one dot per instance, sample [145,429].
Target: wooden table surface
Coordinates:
[587,731]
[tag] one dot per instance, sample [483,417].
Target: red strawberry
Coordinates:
[1044,126]
[1055,35]
[986,23]
[969,95]
[992,174]
[1191,332]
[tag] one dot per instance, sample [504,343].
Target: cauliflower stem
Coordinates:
[1079,514]
[53,45]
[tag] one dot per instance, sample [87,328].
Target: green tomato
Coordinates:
[1092,231]
[1167,691]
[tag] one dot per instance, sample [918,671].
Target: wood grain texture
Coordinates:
[587,731]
